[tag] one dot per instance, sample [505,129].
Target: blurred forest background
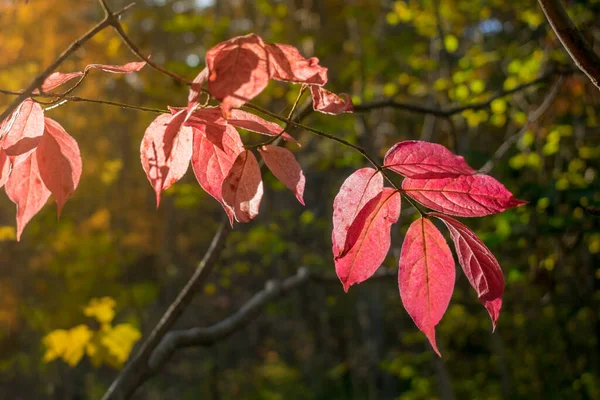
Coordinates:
[76,294]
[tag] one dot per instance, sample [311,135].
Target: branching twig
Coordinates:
[572,39]
[449,112]
[244,314]
[534,116]
[108,20]
[135,372]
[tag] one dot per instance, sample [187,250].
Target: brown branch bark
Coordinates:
[206,336]
[136,371]
[572,39]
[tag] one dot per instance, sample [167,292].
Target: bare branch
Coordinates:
[207,336]
[534,116]
[449,112]
[136,371]
[572,39]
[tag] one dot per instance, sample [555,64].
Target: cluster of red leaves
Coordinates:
[364,212]
[37,156]
[236,71]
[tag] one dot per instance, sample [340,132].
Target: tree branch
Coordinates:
[449,112]
[534,116]
[136,370]
[108,20]
[572,39]
[245,314]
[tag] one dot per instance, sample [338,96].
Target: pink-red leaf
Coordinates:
[254,123]
[423,160]
[238,70]
[24,130]
[368,239]
[360,187]
[479,264]
[166,151]
[59,161]
[243,187]
[5,167]
[211,123]
[330,103]
[284,166]
[426,276]
[463,196]
[212,163]
[195,90]
[287,64]
[57,79]
[119,69]
[26,189]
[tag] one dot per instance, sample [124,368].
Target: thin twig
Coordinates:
[534,116]
[572,39]
[39,80]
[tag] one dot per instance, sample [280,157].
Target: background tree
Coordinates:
[415,70]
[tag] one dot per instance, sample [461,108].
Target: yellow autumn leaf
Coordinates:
[103,309]
[67,345]
[120,340]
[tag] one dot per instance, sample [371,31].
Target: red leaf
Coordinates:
[238,70]
[209,121]
[464,196]
[59,162]
[243,188]
[26,189]
[426,276]
[254,123]
[330,103]
[479,264]
[423,160]
[287,64]
[195,90]
[23,130]
[57,79]
[166,151]
[284,166]
[119,69]
[368,238]
[360,187]
[211,163]
[5,167]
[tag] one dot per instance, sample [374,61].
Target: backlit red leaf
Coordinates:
[254,123]
[479,264]
[166,151]
[211,163]
[368,239]
[59,162]
[209,121]
[423,160]
[464,196]
[287,64]
[195,90]
[360,187]
[426,276]
[26,189]
[284,166]
[23,130]
[330,103]
[57,79]
[119,69]
[243,187]
[5,167]
[237,70]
